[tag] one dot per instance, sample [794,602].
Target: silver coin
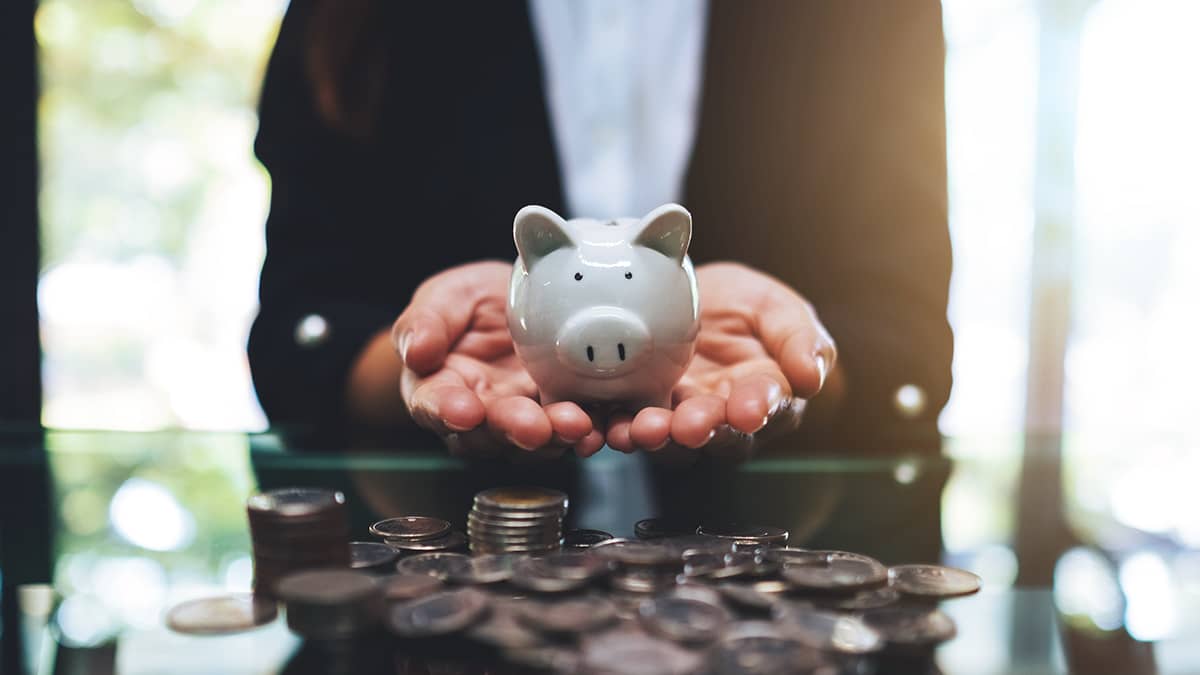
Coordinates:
[573,565]
[484,569]
[624,652]
[737,564]
[516,518]
[480,547]
[371,554]
[330,604]
[437,564]
[582,539]
[294,502]
[534,574]
[551,658]
[325,587]
[788,556]
[568,616]
[410,528]
[837,572]
[501,628]
[451,541]
[747,533]
[513,523]
[933,581]
[864,600]
[765,655]
[521,498]
[683,619]
[438,614]
[642,581]
[636,554]
[702,564]
[746,596]
[825,630]
[409,586]
[657,528]
[695,543]
[232,613]
[911,626]
[694,590]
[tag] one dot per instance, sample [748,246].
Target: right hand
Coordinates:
[462,378]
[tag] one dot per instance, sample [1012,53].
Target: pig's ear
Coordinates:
[539,232]
[668,230]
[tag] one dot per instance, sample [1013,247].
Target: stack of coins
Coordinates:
[409,535]
[294,529]
[516,520]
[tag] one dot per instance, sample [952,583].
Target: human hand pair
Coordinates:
[761,352]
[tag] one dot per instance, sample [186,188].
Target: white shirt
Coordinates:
[622,81]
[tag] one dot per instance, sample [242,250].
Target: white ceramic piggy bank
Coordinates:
[604,312]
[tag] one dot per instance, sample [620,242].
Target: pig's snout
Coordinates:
[603,341]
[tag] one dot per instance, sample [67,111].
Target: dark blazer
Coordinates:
[819,158]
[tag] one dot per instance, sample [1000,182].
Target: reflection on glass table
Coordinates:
[124,525]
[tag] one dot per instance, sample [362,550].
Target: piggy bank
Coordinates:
[604,313]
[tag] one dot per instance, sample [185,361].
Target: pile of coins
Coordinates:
[716,599]
[294,529]
[517,520]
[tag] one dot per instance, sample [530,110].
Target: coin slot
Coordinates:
[591,353]
[621,350]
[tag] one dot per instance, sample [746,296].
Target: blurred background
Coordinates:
[1073,139]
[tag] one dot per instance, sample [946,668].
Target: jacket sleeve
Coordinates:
[318,293]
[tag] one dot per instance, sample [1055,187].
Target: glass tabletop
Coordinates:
[101,532]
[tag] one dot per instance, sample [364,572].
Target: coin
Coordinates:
[636,554]
[619,651]
[657,528]
[766,656]
[642,580]
[827,631]
[864,600]
[535,574]
[370,555]
[836,572]
[766,535]
[573,565]
[330,604]
[568,616]
[582,539]
[683,619]
[738,564]
[746,596]
[523,498]
[409,586]
[685,544]
[788,557]
[702,563]
[438,564]
[410,528]
[438,614]
[501,628]
[933,581]
[484,569]
[451,541]
[221,614]
[293,502]
[696,591]
[911,626]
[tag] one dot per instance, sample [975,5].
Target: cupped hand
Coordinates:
[462,378]
[760,354]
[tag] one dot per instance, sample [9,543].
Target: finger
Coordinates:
[618,433]
[569,421]
[443,403]
[651,428]
[798,342]
[476,443]
[521,421]
[590,444]
[695,421]
[753,400]
[785,420]
[730,445]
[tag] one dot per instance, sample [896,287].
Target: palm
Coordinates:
[760,353]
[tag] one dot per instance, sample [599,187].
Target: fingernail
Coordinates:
[660,446]
[454,427]
[822,369]
[402,347]
[513,441]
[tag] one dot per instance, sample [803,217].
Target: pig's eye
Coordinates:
[629,275]
[578,276]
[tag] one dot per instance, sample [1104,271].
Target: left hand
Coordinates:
[760,355]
